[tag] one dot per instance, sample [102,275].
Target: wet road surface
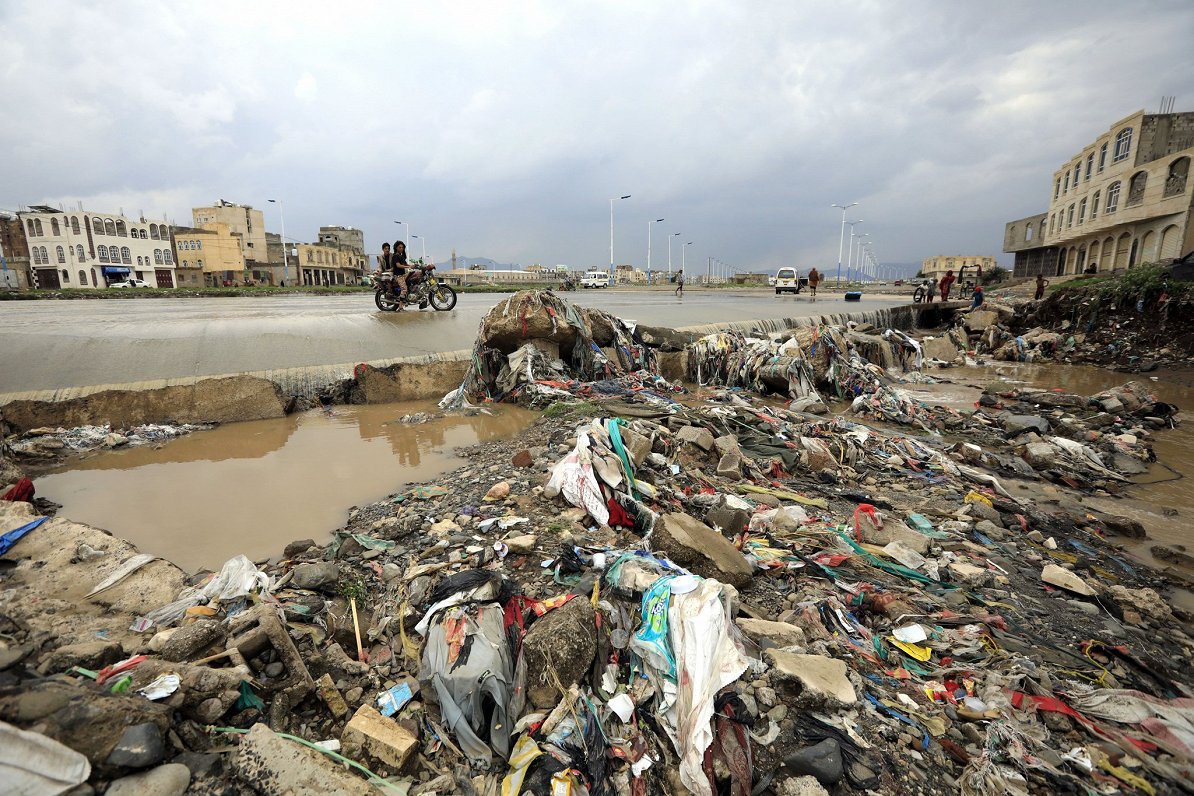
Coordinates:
[54,344]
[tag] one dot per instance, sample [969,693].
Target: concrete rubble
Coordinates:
[657,588]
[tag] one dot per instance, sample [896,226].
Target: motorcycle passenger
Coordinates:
[398,265]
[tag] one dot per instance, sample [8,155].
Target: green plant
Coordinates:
[1147,281]
[353,588]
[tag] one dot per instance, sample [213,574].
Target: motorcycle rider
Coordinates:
[398,266]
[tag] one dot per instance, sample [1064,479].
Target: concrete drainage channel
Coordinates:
[275,393]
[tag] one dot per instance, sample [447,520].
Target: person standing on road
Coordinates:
[947,282]
[814,279]
[1041,284]
[680,283]
[930,290]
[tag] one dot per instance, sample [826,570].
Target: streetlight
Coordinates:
[684,256]
[611,232]
[842,240]
[649,225]
[860,242]
[407,225]
[285,257]
[669,254]
[423,243]
[850,255]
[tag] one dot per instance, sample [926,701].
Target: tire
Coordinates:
[918,295]
[778,291]
[443,298]
[384,302]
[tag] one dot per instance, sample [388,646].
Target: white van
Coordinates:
[786,280]
[595,279]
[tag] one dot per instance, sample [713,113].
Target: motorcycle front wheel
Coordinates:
[384,301]
[443,298]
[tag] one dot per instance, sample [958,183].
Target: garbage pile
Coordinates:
[39,445]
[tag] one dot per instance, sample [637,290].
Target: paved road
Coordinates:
[54,344]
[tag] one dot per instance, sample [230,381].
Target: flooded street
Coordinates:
[253,487]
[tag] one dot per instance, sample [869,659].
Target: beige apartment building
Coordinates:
[244,221]
[210,254]
[935,267]
[320,264]
[1120,201]
[350,243]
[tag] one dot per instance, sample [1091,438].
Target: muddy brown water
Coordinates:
[253,487]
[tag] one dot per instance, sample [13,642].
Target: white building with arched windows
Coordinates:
[84,249]
[1122,200]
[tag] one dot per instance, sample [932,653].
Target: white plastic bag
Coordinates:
[573,477]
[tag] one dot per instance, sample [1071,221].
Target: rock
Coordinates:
[821,680]
[88,654]
[499,491]
[353,695]
[727,444]
[971,575]
[637,445]
[977,320]
[1090,609]
[190,642]
[1125,526]
[1112,405]
[301,546]
[1040,454]
[809,405]
[331,697]
[730,520]
[384,739]
[939,348]
[561,644]
[982,511]
[172,779]
[444,528]
[390,572]
[778,634]
[777,713]
[696,435]
[1064,579]
[1014,425]
[664,338]
[730,466]
[800,786]
[1146,601]
[766,696]
[317,576]
[822,761]
[523,459]
[139,746]
[699,548]
[522,544]
[274,669]
[268,764]
[894,530]
[989,529]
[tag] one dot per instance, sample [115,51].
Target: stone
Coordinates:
[140,746]
[171,779]
[777,713]
[971,575]
[800,786]
[1090,609]
[637,445]
[390,572]
[444,528]
[1125,526]
[523,459]
[274,669]
[977,320]
[822,761]
[522,544]
[1014,425]
[267,763]
[499,491]
[1040,454]
[766,696]
[1064,579]
[730,520]
[696,435]
[1112,405]
[894,530]
[93,655]
[301,546]
[982,511]
[664,338]
[697,547]
[809,405]
[821,680]
[776,634]
[1146,601]
[190,642]
[317,576]
[939,348]
[331,697]
[989,529]
[379,737]
[730,466]
[559,646]
[727,444]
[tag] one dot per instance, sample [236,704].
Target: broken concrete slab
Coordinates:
[1064,579]
[384,739]
[821,680]
[778,634]
[272,765]
[694,545]
[696,435]
[559,647]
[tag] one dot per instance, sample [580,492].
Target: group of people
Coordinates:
[394,262]
[945,285]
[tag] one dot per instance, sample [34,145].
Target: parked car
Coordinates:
[130,282]
[787,281]
[595,279]
[898,282]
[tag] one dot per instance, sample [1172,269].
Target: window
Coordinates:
[55,230]
[74,225]
[31,232]
[79,254]
[1057,188]
[198,263]
[83,278]
[1065,188]
[157,256]
[120,228]
[61,254]
[1089,165]
[102,251]
[153,232]
[1077,173]
[185,264]
[168,257]
[1136,188]
[126,256]
[1082,211]
[1069,218]
[37,226]
[1123,144]
[310,256]
[1102,157]
[143,235]
[98,226]
[1041,234]
[65,275]
[1113,197]
[1094,206]
[198,244]
[1175,182]
[140,262]
[1028,231]
[109,227]
[35,254]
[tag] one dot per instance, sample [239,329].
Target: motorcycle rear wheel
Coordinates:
[384,301]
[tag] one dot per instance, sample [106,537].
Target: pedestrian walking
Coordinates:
[1041,284]
[814,279]
[680,283]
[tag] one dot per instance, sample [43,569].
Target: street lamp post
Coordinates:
[850,255]
[684,256]
[669,254]
[650,224]
[423,243]
[859,269]
[285,256]
[611,232]
[842,240]
[407,225]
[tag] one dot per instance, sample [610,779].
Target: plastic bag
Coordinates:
[235,579]
[573,477]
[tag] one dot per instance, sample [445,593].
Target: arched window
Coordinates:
[97,226]
[1082,211]
[1077,173]
[153,232]
[199,263]
[169,258]
[82,278]
[120,229]
[35,255]
[310,256]
[61,254]
[1102,157]
[31,228]
[1113,197]
[1028,231]
[140,261]
[37,226]
[102,252]
[94,278]
[74,225]
[55,230]
[1175,182]
[1136,188]
[126,256]
[1089,165]
[109,227]
[1123,144]
[1094,206]
[65,275]
[1170,243]
[1065,188]
[198,244]
[157,256]
[1041,234]
[144,236]
[1057,188]
[79,253]
[1069,217]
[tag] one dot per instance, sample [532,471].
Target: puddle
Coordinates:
[253,487]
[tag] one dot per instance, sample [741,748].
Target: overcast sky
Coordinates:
[502,129]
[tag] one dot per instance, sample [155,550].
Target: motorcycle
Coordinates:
[567,283]
[422,288]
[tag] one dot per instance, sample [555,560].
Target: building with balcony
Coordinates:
[1123,199]
[84,249]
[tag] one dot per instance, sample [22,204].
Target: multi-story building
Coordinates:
[322,265]
[935,267]
[1124,198]
[1025,237]
[350,242]
[15,273]
[210,253]
[84,249]
[245,222]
